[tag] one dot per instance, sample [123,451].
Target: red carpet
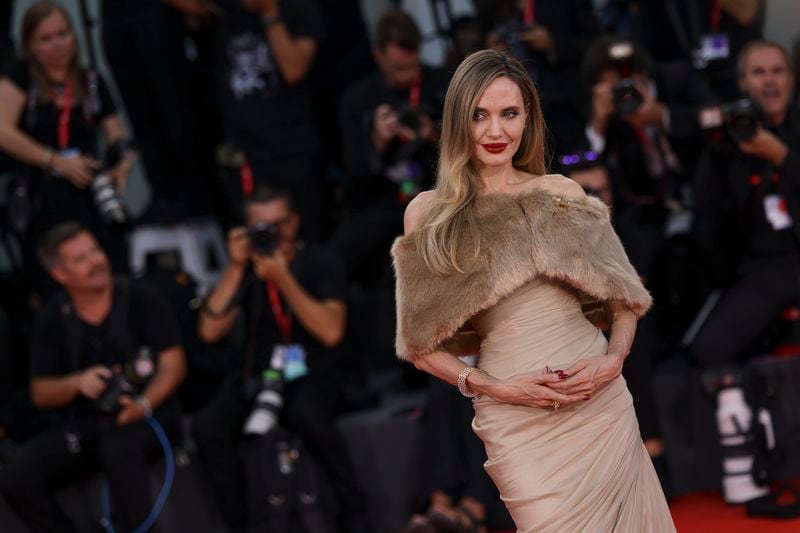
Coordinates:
[706,512]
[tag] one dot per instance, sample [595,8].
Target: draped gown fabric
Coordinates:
[583,468]
[518,303]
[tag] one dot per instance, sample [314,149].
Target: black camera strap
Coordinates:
[117,335]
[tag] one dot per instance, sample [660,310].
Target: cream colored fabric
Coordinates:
[582,468]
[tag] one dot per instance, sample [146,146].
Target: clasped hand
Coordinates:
[578,383]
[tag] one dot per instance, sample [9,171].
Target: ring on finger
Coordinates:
[556,405]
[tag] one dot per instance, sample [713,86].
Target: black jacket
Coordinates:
[724,197]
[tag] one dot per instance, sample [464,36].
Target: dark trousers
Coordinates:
[146,55]
[744,313]
[642,241]
[453,455]
[45,464]
[310,407]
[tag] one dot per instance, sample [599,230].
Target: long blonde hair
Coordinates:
[450,221]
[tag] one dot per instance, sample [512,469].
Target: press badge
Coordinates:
[777,212]
[714,46]
[291,359]
[69,153]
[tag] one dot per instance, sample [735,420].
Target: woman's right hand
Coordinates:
[79,170]
[532,390]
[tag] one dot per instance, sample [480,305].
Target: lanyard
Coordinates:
[530,13]
[714,15]
[64,115]
[284,320]
[415,93]
[246,179]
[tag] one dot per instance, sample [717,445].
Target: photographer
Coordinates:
[264,51]
[748,208]
[389,141]
[292,295]
[643,120]
[549,37]
[52,116]
[85,338]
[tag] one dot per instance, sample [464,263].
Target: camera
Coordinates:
[264,238]
[129,381]
[268,404]
[627,97]
[106,199]
[739,120]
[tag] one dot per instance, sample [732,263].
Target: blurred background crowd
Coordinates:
[213,186]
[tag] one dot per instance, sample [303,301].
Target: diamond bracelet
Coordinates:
[462,380]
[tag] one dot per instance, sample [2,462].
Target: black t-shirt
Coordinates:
[41,121]
[322,274]
[260,112]
[150,323]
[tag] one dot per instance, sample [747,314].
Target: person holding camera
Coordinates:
[292,295]
[106,355]
[264,51]
[748,208]
[389,135]
[53,114]
[643,119]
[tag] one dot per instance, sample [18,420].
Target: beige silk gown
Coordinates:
[583,468]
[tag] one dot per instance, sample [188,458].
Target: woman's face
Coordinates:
[53,43]
[498,123]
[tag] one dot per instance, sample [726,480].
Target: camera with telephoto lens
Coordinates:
[264,238]
[130,381]
[627,97]
[267,405]
[739,120]
[106,198]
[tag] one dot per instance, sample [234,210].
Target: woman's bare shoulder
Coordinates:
[557,184]
[416,210]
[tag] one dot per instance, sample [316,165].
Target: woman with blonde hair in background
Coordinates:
[505,261]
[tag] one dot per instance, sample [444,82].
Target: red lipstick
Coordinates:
[494,148]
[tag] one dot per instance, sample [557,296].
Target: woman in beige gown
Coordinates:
[503,261]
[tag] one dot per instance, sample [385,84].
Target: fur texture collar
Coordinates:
[535,233]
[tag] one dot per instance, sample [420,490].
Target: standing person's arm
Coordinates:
[294,54]
[22,147]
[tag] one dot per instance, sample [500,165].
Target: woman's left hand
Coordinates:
[589,375]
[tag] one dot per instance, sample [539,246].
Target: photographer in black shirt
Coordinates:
[389,136]
[264,51]
[98,331]
[748,208]
[292,295]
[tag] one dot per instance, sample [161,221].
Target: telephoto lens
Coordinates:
[268,404]
[108,202]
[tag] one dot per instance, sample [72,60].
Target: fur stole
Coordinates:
[535,233]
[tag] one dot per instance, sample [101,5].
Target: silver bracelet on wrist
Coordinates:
[462,381]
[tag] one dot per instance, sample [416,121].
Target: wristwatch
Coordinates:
[146,405]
